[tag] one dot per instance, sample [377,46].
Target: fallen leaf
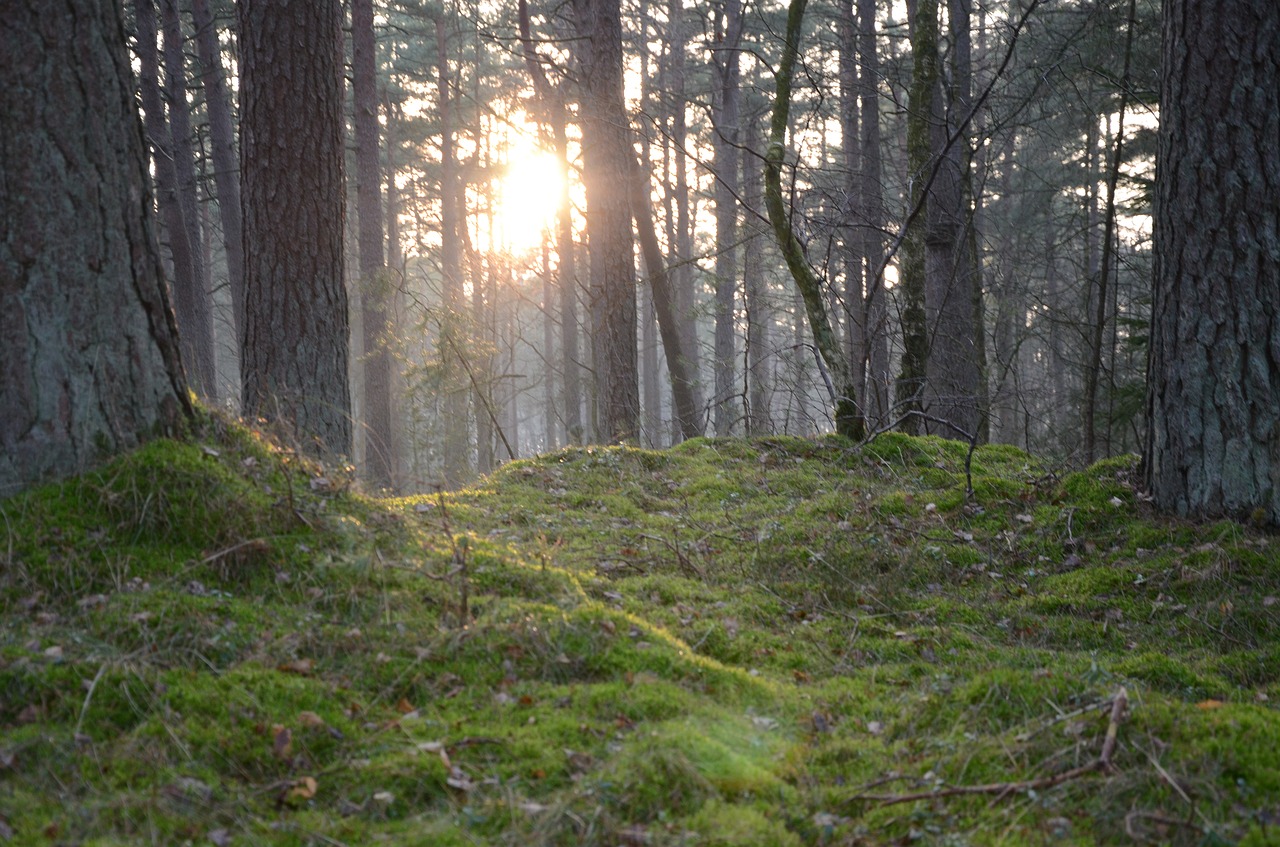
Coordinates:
[404,707]
[310,720]
[302,667]
[1208,705]
[281,741]
[303,789]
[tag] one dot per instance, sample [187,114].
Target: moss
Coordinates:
[726,642]
[721,825]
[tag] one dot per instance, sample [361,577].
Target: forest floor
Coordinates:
[732,642]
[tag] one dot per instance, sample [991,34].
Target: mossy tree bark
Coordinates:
[294,362]
[848,417]
[1213,417]
[87,334]
[910,384]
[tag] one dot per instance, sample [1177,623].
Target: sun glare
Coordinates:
[529,193]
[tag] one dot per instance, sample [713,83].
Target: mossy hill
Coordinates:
[733,642]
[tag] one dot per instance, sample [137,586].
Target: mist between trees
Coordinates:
[592,222]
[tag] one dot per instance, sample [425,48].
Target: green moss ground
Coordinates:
[731,642]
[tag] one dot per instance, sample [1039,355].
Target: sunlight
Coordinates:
[527,195]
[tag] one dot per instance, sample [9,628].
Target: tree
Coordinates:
[848,419]
[379,446]
[1213,413]
[294,353]
[726,68]
[87,334]
[177,208]
[226,168]
[607,169]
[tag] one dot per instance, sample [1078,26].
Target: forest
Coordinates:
[660,422]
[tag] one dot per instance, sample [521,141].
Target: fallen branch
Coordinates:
[1001,789]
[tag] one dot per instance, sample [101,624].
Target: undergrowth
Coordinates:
[766,642]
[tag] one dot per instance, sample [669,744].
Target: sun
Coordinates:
[527,194]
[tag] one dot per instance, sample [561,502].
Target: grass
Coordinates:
[732,642]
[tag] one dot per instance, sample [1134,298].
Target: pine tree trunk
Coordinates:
[875,357]
[294,365]
[198,332]
[726,61]
[226,170]
[1213,445]
[451,340]
[379,446]
[760,357]
[606,156]
[87,336]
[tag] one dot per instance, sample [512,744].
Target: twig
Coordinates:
[1001,789]
[226,551]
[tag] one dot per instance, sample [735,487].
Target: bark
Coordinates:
[87,335]
[294,364]
[198,331]
[910,385]
[954,367]
[726,62]
[607,156]
[1213,442]
[847,420]
[379,449]
[226,169]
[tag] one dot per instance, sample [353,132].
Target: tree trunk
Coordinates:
[606,156]
[1100,297]
[726,63]
[226,170]
[953,368]
[451,342]
[379,451]
[87,335]
[664,303]
[910,387]
[1213,416]
[294,364]
[682,273]
[182,250]
[198,333]
[844,408]
[759,358]
[552,104]
[875,356]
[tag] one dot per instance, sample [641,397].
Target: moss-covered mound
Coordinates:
[766,642]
